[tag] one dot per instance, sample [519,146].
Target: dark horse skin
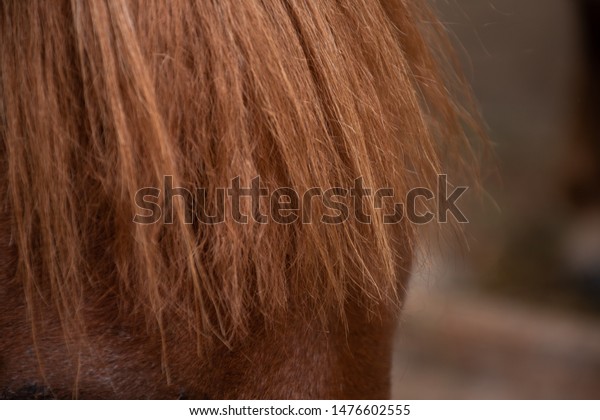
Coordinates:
[278,364]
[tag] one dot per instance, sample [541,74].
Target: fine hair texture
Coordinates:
[101,98]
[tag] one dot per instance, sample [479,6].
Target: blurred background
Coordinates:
[517,316]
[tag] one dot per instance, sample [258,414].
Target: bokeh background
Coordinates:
[518,314]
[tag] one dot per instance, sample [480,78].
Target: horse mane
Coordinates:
[99,99]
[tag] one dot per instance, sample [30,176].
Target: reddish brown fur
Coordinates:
[101,98]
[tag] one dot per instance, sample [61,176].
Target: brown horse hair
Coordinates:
[101,98]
